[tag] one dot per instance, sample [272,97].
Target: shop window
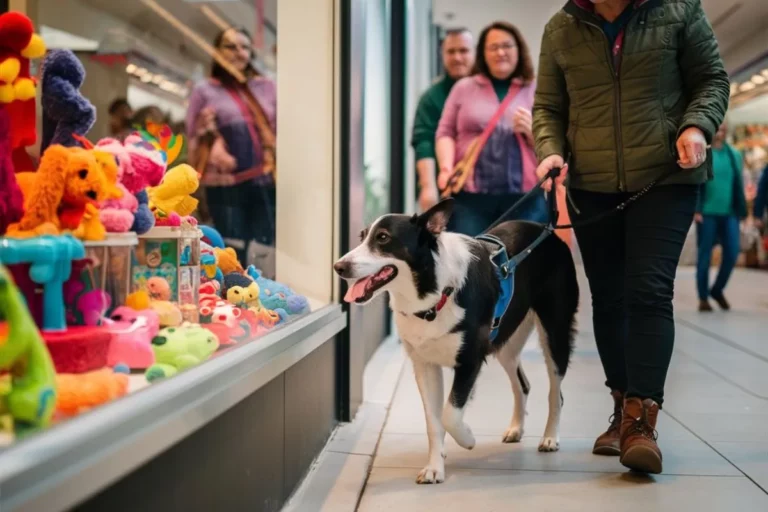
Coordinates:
[157,251]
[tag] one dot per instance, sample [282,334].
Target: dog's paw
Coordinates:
[463,436]
[513,435]
[549,444]
[431,475]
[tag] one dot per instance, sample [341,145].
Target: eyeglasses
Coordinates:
[234,47]
[509,45]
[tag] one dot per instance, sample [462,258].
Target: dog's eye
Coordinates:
[382,237]
[83,173]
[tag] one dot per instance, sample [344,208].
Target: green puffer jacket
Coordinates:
[620,127]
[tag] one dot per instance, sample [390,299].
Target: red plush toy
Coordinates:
[11,200]
[19,44]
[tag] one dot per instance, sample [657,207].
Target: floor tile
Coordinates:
[391,489]
[691,457]
[751,458]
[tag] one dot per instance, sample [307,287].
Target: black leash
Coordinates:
[552,203]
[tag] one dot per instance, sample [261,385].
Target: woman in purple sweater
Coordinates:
[240,197]
[506,166]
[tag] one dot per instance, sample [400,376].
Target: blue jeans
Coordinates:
[714,229]
[473,213]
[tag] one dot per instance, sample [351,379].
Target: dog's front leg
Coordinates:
[429,378]
[464,379]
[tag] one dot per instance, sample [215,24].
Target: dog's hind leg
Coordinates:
[509,358]
[465,376]
[429,378]
[550,442]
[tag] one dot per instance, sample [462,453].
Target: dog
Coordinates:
[443,290]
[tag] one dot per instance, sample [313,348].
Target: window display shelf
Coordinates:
[56,469]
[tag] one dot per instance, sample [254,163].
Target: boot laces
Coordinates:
[643,427]
[615,421]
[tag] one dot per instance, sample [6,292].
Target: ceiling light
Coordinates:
[130,69]
[765,73]
[758,80]
[157,79]
[147,77]
[140,72]
[746,86]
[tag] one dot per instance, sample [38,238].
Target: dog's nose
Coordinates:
[342,267]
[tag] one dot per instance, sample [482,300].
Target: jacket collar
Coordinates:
[580,8]
[589,6]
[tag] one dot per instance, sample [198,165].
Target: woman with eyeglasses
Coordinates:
[496,98]
[630,92]
[225,145]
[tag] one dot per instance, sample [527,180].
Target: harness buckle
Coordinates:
[504,269]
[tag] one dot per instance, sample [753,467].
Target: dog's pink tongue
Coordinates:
[357,290]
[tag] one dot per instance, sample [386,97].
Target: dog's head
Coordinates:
[397,253]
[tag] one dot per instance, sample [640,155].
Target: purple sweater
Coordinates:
[234,120]
[470,106]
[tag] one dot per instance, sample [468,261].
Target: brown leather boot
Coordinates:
[609,441]
[639,450]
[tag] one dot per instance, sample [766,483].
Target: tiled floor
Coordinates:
[713,430]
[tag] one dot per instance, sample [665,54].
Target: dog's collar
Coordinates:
[431,313]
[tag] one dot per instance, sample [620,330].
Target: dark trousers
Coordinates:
[473,213]
[713,229]
[242,213]
[630,259]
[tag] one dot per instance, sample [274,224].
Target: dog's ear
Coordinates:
[435,220]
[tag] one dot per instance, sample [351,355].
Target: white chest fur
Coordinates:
[432,342]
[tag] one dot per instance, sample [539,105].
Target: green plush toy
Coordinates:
[31,398]
[179,348]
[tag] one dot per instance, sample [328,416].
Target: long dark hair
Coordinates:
[217,70]
[524,69]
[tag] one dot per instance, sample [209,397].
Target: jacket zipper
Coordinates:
[617,105]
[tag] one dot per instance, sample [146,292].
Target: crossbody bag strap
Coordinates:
[511,95]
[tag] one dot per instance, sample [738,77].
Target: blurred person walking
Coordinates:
[722,204]
[500,90]
[458,59]
[240,195]
[629,92]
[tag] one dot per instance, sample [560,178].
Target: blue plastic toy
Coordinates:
[50,259]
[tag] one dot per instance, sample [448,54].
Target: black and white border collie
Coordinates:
[420,264]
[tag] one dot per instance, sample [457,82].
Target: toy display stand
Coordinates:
[173,254]
[110,266]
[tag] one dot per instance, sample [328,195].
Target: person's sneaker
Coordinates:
[608,442]
[639,451]
[704,305]
[720,299]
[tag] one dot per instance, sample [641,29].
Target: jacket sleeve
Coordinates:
[424,128]
[704,75]
[448,125]
[550,106]
[761,200]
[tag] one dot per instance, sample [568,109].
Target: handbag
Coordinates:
[465,168]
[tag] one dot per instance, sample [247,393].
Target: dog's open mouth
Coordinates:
[363,290]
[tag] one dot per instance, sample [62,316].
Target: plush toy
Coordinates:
[227,260]
[232,280]
[79,393]
[179,348]
[57,197]
[209,269]
[132,332]
[65,111]
[276,296]
[138,300]
[19,44]
[246,297]
[212,237]
[173,194]
[11,199]
[143,220]
[119,215]
[158,288]
[32,397]
[168,312]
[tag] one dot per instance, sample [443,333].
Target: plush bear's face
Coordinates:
[85,180]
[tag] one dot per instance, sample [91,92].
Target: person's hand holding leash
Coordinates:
[691,148]
[443,177]
[546,165]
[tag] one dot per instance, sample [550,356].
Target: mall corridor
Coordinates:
[712,429]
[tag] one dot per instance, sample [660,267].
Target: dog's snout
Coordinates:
[342,268]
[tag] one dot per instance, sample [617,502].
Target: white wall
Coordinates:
[529,16]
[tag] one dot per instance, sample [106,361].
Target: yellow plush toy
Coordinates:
[227,260]
[173,194]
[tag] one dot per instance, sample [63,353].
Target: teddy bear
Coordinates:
[62,194]
[66,112]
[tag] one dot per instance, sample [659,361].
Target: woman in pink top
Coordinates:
[506,166]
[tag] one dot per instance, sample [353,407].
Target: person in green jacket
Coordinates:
[628,92]
[722,203]
[458,59]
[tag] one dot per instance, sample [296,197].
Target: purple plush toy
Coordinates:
[65,110]
[143,220]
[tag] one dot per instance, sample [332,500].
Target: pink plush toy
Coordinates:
[132,332]
[141,165]
[117,214]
